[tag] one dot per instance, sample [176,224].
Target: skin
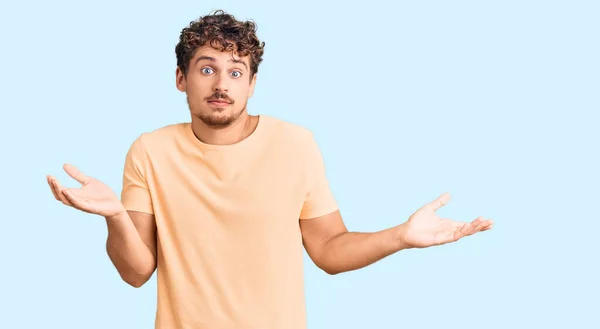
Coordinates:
[214,74]
[131,241]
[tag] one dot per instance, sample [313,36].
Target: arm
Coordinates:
[333,249]
[131,246]
[325,237]
[131,243]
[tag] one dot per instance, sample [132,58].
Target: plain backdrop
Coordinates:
[495,102]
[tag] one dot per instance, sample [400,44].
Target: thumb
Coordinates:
[441,201]
[76,174]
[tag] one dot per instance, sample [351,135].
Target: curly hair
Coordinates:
[223,32]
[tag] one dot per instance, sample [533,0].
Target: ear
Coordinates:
[252,85]
[180,80]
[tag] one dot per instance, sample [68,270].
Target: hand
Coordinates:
[93,197]
[425,229]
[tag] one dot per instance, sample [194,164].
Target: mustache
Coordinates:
[220,97]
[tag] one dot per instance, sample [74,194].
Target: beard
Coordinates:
[219,117]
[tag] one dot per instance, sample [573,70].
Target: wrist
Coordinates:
[399,233]
[119,216]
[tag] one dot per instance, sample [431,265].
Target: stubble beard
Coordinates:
[216,120]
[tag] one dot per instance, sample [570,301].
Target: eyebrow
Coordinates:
[212,59]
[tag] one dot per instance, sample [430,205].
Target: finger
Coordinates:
[75,198]
[475,225]
[76,174]
[483,225]
[49,180]
[460,232]
[55,188]
[488,225]
[441,201]
[61,196]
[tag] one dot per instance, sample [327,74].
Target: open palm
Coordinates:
[425,228]
[93,196]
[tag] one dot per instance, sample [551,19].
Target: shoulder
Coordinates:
[290,133]
[159,137]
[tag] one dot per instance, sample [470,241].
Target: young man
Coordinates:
[222,206]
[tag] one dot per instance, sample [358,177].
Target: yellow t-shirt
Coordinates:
[230,251]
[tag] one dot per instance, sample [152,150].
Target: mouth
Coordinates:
[219,102]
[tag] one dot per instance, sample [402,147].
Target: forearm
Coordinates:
[354,250]
[129,254]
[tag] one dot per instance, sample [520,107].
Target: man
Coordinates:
[222,206]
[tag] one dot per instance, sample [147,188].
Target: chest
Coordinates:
[216,189]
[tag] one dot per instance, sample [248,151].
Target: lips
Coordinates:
[219,101]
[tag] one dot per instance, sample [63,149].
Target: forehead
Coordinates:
[219,57]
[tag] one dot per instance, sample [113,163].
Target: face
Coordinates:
[217,86]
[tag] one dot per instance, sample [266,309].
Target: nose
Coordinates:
[221,84]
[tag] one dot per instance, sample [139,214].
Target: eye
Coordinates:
[236,74]
[207,70]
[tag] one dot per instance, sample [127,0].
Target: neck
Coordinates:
[237,131]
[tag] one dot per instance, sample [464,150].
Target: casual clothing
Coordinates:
[230,251]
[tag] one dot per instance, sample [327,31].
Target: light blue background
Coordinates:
[494,101]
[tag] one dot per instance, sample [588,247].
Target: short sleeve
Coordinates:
[135,194]
[319,199]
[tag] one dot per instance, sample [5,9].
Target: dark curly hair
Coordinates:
[223,32]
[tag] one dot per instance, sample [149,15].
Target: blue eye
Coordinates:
[239,74]
[204,70]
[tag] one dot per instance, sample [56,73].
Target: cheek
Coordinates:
[241,92]
[197,89]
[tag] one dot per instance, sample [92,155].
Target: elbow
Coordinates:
[136,281]
[326,265]
[136,284]
[331,270]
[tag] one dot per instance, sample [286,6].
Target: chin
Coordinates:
[218,118]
